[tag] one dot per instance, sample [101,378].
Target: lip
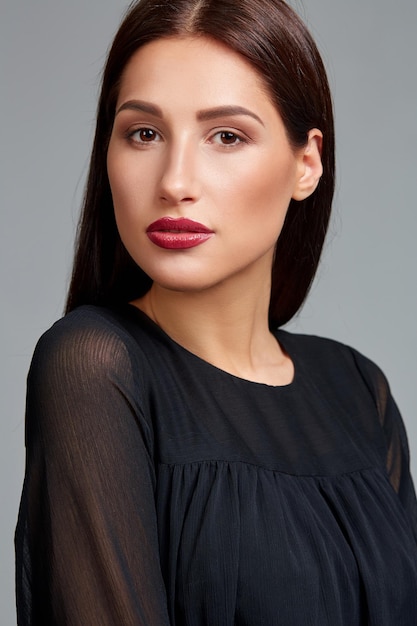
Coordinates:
[178,233]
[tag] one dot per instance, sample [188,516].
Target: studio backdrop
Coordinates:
[365,292]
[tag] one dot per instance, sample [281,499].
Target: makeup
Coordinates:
[178,233]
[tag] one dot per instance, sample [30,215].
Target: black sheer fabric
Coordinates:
[160,490]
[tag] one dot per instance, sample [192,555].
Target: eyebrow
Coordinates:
[226,111]
[140,105]
[202,116]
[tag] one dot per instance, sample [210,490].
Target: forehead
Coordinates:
[200,70]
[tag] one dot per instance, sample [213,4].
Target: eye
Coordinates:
[144,135]
[227,138]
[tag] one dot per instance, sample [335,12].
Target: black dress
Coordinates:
[162,490]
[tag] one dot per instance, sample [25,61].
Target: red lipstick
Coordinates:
[177,233]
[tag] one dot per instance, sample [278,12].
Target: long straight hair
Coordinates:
[268,34]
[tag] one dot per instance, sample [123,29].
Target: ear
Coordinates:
[310,167]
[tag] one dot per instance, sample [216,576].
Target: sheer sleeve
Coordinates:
[397,452]
[86,540]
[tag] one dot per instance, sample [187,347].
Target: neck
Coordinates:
[228,327]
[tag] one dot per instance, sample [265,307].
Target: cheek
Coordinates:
[117,178]
[124,204]
[126,187]
[266,190]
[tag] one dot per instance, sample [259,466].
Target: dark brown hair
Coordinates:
[276,42]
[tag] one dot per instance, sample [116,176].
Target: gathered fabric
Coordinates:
[161,490]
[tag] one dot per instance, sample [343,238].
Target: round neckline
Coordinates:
[276,333]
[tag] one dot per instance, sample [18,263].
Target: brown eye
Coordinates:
[145,135]
[228,138]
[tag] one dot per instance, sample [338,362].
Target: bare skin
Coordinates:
[196,136]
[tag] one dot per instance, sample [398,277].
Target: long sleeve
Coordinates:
[397,451]
[398,459]
[86,540]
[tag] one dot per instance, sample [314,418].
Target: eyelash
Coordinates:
[236,137]
[131,134]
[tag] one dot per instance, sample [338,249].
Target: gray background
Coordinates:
[51,53]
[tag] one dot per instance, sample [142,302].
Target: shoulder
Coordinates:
[336,361]
[84,321]
[87,340]
[328,352]
[87,377]
[87,328]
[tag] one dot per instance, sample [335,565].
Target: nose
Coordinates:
[178,181]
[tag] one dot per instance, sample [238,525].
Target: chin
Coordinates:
[180,278]
[182,286]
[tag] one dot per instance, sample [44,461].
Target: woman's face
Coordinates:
[200,167]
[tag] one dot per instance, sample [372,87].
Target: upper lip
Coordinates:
[179,224]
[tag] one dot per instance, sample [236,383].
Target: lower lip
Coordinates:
[177,241]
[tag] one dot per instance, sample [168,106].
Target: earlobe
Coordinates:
[310,166]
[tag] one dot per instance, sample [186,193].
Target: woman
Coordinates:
[187,462]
